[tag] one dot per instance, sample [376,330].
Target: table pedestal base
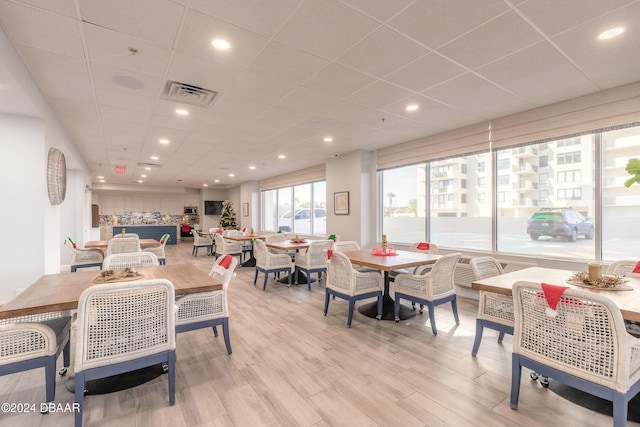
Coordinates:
[371,310]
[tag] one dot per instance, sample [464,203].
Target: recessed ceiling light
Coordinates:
[101,177]
[216,180]
[231,175]
[221,44]
[282,156]
[154,157]
[611,33]
[147,168]
[328,139]
[412,107]
[102,180]
[164,141]
[143,176]
[252,167]
[182,112]
[140,181]
[205,185]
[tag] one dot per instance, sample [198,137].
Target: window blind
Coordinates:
[303,176]
[599,111]
[453,143]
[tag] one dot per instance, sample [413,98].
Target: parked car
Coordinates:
[302,221]
[562,223]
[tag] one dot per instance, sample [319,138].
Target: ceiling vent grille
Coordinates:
[188,94]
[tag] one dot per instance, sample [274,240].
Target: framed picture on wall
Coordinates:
[245,209]
[341,203]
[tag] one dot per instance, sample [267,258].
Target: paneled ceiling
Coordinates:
[300,71]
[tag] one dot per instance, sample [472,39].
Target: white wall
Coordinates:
[24,202]
[209,221]
[250,193]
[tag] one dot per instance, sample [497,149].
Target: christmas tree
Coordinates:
[228,216]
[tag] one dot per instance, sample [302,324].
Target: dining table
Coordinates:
[626,298]
[289,246]
[251,262]
[385,263]
[61,292]
[103,244]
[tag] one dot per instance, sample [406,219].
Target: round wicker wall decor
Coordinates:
[56,176]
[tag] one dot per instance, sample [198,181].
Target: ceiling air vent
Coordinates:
[188,94]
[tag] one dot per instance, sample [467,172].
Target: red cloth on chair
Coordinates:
[329,252]
[226,261]
[186,229]
[423,246]
[552,293]
[636,269]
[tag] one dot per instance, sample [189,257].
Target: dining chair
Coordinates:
[346,246]
[120,235]
[431,289]
[200,241]
[579,339]
[268,262]
[159,251]
[247,248]
[208,309]
[276,238]
[313,260]
[343,281]
[495,311]
[123,327]
[119,245]
[36,341]
[623,267]
[130,260]
[227,247]
[84,258]
[420,247]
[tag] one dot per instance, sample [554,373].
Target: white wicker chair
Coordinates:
[131,259]
[343,281]
[431,289]
[422,247]
[159,251]
[36,341]
[584,346]
[268,262]
[208,309]
[83,258]
[346,246]
[495,311]
[137,330]
[276,238]
[313,260]
[227,247]
[200,241]
[119,245]
[120,235]
[623,267]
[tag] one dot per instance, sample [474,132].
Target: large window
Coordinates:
[547,199]
[300,209]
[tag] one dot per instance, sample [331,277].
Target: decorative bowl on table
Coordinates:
[298,240]
[128,273]
[384,251]
[605,281]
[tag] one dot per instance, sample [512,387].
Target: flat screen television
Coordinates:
[213,207]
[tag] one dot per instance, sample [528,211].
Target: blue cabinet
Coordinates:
[149,231]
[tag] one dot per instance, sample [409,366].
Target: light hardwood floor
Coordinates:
[292,366]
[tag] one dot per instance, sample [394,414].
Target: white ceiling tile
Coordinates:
[488,42]
[553,16]
[111,48]
[152,20]
[489,105]
[425,72]
[400,108]
[459,87]
[381,10]
[344,111]
[254,87]
[106,96]
[200,30]
[198,72]
[338,80]
[283,117]
[173,122]
[51,67]
[62,7]
[381,53]
[239,106]
[281,62]
[379,94]
[437,22]
[38,28]
[377,119]
[306,100]
[264,17]
[325,28]
[598,67]
[124,115]
[106,75]
[534,59]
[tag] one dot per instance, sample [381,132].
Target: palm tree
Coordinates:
[391,197]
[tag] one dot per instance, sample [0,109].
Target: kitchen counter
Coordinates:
[150,231]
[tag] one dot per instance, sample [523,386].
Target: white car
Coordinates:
[302,221]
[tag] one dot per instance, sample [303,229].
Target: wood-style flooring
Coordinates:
[292,366]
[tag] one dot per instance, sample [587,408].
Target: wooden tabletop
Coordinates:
[403,259]
[627,301]
[244,238]
[58,292]
[287,245]
[103,244]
